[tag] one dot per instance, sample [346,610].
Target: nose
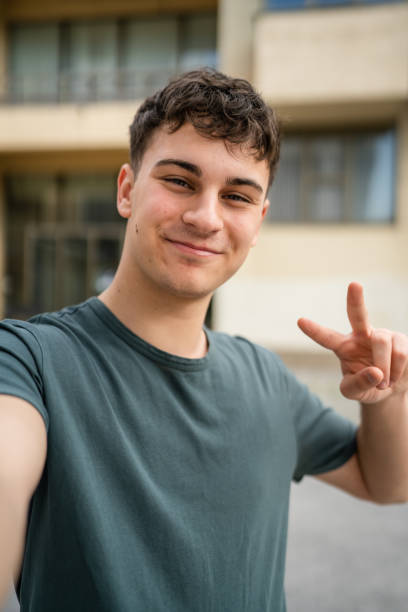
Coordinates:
[203,213]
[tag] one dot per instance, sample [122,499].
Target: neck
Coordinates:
[170,323]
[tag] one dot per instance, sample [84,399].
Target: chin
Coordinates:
[190,293]
[191,284]
[189,289]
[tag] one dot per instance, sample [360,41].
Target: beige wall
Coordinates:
[63,162]
[333,55]
[235,36]
[66,127]
[266,308]
[74,9]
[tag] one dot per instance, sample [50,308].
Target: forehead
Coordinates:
[208,153]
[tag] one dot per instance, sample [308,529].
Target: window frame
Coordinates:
[347,135]
[120,90]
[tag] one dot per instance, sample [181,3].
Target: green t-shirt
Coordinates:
[166,485]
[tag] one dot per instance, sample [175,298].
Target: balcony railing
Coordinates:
[83,87]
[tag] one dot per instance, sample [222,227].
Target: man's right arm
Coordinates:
[23,449]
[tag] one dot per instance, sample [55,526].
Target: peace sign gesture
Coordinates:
[374,362]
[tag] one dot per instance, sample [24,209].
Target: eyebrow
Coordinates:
[244,181]
[182,164]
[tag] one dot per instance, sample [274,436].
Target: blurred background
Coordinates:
[72,74]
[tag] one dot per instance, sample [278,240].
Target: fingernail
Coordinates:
[383,384]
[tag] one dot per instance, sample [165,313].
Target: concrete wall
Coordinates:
[66,127]
[74,9]
[235,36]
[63,161]
[336,54]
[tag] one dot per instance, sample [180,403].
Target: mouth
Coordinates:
[194,249]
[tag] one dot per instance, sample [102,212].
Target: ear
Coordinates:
[125,185]
[263,213]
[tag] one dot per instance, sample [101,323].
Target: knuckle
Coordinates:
[382,337]
[399,355]
[401,343]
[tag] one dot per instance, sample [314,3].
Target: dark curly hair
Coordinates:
[217,106]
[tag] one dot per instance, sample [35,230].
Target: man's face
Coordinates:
[194,210]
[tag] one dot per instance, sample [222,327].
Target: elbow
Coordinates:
[390,498]
[383,495]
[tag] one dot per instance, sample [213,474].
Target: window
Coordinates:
[88,54]
[198,42]
[335,178]
[64,239]
[33,63]
[107,59]
[149,55]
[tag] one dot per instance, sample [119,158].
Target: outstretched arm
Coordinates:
[374,363]
[23,444]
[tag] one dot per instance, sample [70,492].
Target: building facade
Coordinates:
[71,77]
[338,74]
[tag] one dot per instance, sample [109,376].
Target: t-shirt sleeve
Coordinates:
[21,365]
[325,439]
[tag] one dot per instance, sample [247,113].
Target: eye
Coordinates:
[236,197]
[177,181]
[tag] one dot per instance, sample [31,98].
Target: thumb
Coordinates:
[353,386]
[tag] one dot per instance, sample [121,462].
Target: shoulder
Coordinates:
[66,316]
[14,332]
[253,358]
[260,363]
[238,345]
[44,328]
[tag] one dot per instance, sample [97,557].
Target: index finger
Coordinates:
[329,338]
[356,310]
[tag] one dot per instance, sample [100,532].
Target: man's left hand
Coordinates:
[374,362]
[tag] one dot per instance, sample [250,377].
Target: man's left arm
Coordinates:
[374,363]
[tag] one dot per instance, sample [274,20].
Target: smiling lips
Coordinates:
[194,249]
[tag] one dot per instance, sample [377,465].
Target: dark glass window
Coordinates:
[33,63]
[335,178]
[64,239]
[108,59]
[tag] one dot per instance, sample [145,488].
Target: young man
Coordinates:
[145,461]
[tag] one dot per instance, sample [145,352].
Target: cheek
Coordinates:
[245,231]
[156,211]
[145,216]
